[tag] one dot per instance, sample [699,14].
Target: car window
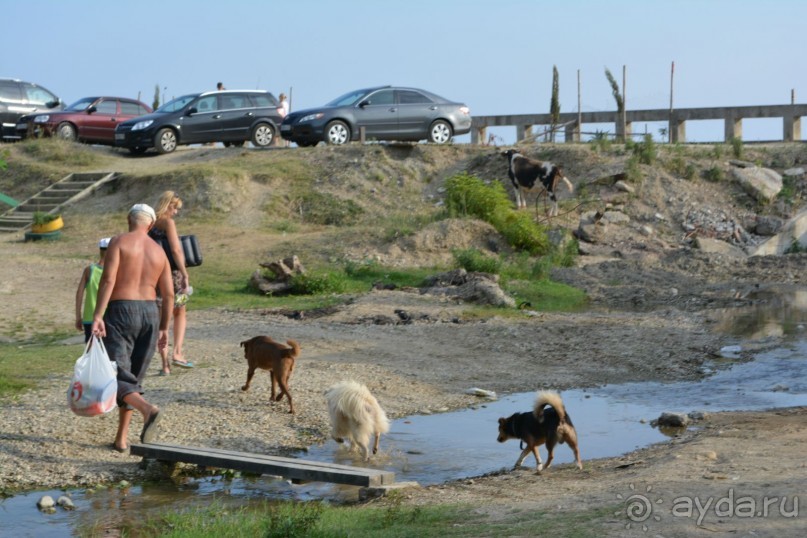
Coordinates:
[263,100]
[409,97]
[80,105]
[107,107]
[382,97]
[35,94]
[132,109]
[207,104]
[10,91]
[348,99]
[229,101]
[177,104]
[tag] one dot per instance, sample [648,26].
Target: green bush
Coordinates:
[474,260]
[467,195]
[318,283]
[714,174]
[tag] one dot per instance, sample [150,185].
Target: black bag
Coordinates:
[190,249]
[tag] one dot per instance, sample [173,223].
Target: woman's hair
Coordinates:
[168,199]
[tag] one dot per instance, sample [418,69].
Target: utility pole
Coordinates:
[670,122]
[579,111]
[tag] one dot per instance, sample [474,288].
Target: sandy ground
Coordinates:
[652,318]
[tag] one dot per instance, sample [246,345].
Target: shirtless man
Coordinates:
[126,316]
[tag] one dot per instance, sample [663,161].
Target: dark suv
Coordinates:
[18,98]
[230,116]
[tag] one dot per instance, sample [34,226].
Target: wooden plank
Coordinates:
[295,469]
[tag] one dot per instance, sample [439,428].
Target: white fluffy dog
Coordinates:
[356,416]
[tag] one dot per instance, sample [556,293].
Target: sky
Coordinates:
[496,56]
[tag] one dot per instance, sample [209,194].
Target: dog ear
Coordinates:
[502,421]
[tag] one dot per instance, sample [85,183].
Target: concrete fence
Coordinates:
[677,119]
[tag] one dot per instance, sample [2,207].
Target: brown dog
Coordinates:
[541,426]
[264,353]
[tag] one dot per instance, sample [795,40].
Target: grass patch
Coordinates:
[392,520]
[23,366]
[58,151]
[546,295]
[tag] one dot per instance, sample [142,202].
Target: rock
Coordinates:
[761,183]
[590,233]
[794,172]
[615,217]
[624,187]
[45,502]
[381,491]
[793,231]
[716,246]
[646,230]
[672,420]
[780,388]
[481,392]
[730,352]
[697,415]
[768,226]
[66,502]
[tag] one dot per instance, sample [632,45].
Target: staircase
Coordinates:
[51,200]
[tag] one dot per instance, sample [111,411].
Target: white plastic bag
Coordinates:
[94,388]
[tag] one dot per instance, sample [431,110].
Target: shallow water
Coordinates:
[610,420]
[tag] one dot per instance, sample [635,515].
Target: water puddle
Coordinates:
[610,420]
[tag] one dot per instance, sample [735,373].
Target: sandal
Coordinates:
[182,364]
[164,373]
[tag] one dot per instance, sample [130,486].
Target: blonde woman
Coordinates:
[167,208]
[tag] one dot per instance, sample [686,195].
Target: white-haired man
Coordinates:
[128,318]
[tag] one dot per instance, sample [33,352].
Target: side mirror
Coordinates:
[54,103]
[191,111]
[364,103]
[92,109]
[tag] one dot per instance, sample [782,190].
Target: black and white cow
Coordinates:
[528,175]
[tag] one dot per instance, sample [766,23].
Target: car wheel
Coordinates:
[337,133]
[165,140]
[66,131]
[137,151]
[263,135]
[440,132]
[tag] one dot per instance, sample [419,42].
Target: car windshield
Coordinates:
[81,104]
[349,99]
[177,104]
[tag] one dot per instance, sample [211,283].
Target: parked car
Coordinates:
[18,98]
[385,113]
[230,116]
[91,119]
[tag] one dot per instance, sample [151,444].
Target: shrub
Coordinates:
[468,196]
[318,283]
[714,174]
[474,260]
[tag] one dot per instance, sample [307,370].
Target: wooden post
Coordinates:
[624,118]
[579,136]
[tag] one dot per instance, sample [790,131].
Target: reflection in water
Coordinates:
[777,311]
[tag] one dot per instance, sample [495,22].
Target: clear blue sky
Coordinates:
[496,56]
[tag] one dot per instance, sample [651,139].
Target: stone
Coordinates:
[672,420]
[716,246]
[66,502]
[624,187]
[761,183]
[45,502]
[768,226]
[381,491]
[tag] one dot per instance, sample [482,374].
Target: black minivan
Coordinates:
[18,98]
[230,116]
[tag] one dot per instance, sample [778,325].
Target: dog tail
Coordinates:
[295,348]
[549,397]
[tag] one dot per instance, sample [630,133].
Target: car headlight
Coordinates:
[312,117]
[465,110]
[41,119]
[142,125]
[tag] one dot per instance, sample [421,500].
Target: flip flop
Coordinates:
[149,432]
[162,373]
[182,364]
[116,448]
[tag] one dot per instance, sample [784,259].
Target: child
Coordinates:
[88,291]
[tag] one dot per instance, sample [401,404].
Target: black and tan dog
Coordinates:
[541,426]
[264,353]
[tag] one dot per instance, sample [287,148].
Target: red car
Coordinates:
[91,120]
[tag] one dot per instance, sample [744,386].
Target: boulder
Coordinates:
[671,420]
[716,246]
[761,183]
[793,231]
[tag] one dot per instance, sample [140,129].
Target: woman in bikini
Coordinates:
[167,208]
